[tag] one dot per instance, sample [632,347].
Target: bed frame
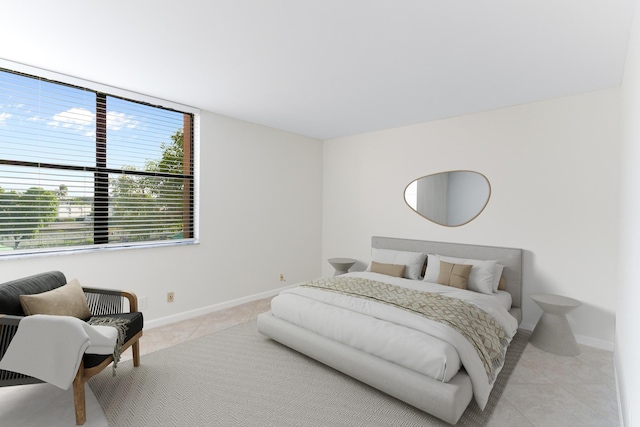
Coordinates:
[446,401]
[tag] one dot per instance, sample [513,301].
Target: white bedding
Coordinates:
[504,298]
[396,335]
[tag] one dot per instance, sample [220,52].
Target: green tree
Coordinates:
[62,191]
[172,156]
[23,214]
[169,191]
[144,205]
[133,206]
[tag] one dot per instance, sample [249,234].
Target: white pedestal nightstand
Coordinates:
[553,332]
[342,265]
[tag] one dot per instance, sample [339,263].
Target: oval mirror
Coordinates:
[451,198]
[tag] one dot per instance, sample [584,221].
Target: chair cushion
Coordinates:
[136,322]
[10,291]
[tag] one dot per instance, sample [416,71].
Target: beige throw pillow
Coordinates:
[67,300]
[502,284]
[394,270]
[456,275]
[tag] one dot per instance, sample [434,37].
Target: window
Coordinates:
[80,168]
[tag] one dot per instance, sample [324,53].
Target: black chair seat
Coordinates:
[135,325]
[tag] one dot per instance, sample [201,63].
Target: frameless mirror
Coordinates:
[451,198]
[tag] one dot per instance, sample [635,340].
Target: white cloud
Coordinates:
[4,117]
[117,121]
[83,120]
[77,119]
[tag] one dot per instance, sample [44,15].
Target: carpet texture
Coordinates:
[237,377]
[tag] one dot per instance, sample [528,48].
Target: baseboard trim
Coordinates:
[581,339]
[178,317]
[621,411]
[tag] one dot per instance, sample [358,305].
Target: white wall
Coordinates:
[627,352]
[553,168]
[260,215]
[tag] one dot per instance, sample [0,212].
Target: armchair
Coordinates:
[101,302]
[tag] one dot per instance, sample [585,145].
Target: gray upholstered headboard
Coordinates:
[509,257]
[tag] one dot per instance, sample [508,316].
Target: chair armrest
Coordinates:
[9,320]
[8,328]
[109,301]
[133,300]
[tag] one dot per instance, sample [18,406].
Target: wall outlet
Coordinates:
[169,296]
[142,303]
[282,277]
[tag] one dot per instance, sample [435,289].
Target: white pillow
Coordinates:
[481,276]
[496,277]
[413,261]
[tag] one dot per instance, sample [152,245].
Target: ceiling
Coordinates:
[328,68]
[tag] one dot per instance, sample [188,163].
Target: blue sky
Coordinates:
[46,122]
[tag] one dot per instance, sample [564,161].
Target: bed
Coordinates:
[387,348]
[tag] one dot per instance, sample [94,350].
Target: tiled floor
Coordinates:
[169,335]
[544,389]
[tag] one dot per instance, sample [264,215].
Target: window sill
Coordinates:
[89,249]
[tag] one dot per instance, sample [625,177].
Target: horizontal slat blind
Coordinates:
[80,168]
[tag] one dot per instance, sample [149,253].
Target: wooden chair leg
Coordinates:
[78,396]
[136,353]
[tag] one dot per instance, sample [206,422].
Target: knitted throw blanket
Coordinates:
[122,326]
[482,330]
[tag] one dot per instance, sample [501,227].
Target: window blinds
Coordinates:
[80,167]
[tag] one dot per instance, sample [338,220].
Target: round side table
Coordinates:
[553,332]
[341,265]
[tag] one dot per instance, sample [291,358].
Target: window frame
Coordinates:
[191,154]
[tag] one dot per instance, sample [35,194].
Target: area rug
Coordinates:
[237,377]
[45,405]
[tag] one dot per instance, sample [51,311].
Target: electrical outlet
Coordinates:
[282,277]
[142,303]
[170,297]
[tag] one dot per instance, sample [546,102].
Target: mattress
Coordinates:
[392,334]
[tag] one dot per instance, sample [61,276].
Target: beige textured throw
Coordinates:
[482,330]
[122,325]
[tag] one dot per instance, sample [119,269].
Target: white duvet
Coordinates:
[396,335]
